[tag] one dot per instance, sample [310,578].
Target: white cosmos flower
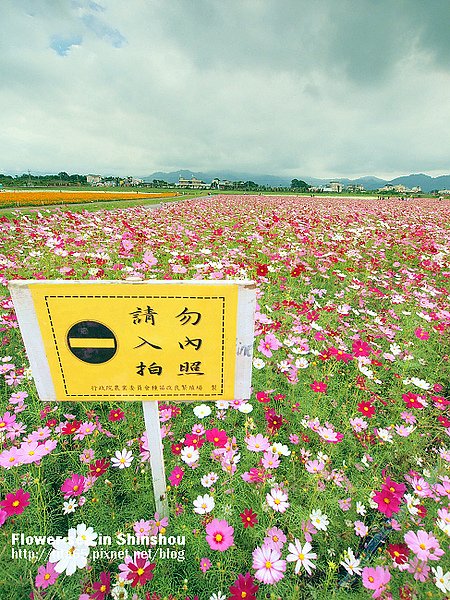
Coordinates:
[351,563]
[319,519]
[122,459]
[280,449]
[189,455]
[277,499]
[202,411]
[208,480]
[204,504]
[85,535]
[301,363]
[442,580]
[68,554]
[218,596]
[301,555]
[258,363]
[420,383]
[412,503]
[245,408]
[361,509]
[222,404]
[70,506]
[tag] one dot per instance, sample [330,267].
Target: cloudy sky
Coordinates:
[286,87]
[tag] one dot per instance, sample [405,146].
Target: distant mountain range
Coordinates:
[425,182]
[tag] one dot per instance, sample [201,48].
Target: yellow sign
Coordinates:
[138,341]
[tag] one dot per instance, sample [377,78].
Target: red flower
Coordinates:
[249,518]
[15,503]
[176,448]
[318,386]
[399,552]
[274,421]
[243,587]
[297,270]
[444,421]
[99,467]
[411,401]
[218,437]
[341,355]
[116,414]
[262,269]
[71,427]
[101,587]
[140,571]
[367,409]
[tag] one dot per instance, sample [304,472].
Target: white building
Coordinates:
[193,183]
[336,186]
[94,179]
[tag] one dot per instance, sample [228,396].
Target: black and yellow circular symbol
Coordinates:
[92,342]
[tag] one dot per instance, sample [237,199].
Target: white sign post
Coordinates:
[171,341]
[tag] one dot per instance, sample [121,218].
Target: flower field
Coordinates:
[49,197]
[331,481]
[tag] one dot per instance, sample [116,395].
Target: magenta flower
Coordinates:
[46,576]
[375,579]
[176,476]
[387,503]
[73,486]
[318,386]
[269,566]
[219,535]
[16,502]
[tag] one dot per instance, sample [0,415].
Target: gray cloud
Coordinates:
[282,86]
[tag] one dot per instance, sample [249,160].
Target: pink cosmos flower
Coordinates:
[270,460]
[268,344]
[205,564]
[3,516]
[144,528]
[375,579]
[46,576]
[419,569]
[387,503]
[314,466]
[269,566]
[30,452]
[159,522]
[219,535]
[257,443]
[424,545]
[421,487]
[84,430]
[275,538]
[360,528]
[10,458]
